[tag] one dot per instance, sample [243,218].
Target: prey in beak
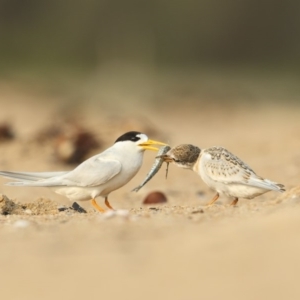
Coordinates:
[166,158]
[148,145]
[155,167]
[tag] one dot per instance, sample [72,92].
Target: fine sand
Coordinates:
[179,250]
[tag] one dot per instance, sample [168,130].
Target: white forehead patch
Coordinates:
[143,137]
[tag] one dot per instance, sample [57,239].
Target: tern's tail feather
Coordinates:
[281,187]
[29,178]
[267,184]
[274,186]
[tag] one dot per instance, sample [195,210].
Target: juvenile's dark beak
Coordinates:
[165,157]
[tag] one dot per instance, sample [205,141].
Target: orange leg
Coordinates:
[234,202]
[213,200]
[108,204]
[96,206]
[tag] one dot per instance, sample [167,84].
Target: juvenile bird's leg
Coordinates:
[97,207]
[213,200]
[108,204]
[234,202]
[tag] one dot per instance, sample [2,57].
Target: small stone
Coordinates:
[62,208]
[155,198]
[21,224]
[121,213]
[78,208]
[198,211]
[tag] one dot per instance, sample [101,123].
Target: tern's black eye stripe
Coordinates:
[133,136]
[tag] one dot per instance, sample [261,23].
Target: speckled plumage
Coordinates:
[222,171]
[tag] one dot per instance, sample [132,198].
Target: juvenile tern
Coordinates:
[98,175]
[222,171]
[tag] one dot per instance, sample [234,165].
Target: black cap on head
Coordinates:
[129,136]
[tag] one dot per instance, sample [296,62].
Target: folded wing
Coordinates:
[93,172]
[222,166]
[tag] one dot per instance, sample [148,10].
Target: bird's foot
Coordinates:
[213,200]
[97,207]
[234,202]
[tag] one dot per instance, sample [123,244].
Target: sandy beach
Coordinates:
[180,250]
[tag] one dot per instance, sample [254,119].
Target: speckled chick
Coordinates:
[222,171]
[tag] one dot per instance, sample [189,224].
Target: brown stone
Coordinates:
[155,198]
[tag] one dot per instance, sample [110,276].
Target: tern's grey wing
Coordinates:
[93,172]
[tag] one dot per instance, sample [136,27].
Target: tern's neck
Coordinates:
[184,165]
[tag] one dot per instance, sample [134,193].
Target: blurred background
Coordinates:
[153,51]
[75,75]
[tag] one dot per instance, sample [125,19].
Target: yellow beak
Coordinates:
[147,145]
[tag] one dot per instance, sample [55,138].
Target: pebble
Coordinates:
[21,224]
[122,213]
[155,198]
